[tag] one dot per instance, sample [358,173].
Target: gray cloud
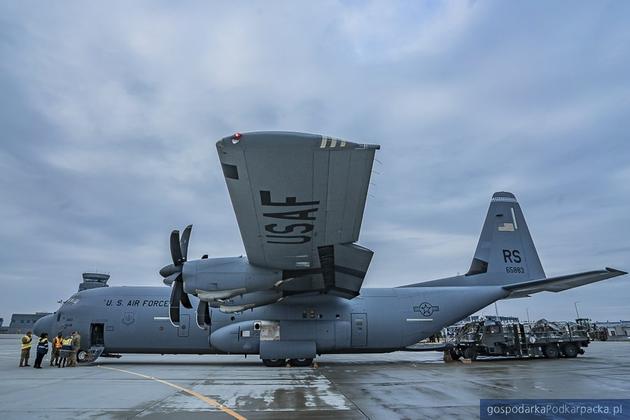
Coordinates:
[109,114]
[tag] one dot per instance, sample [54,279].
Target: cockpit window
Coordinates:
[73,299]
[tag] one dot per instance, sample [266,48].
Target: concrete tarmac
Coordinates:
[375,386]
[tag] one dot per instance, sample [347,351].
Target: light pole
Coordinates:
[527,311]
[576,309]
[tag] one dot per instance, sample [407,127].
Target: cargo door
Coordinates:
[359,330]
[184,323]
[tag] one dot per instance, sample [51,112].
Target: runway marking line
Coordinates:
[207,400]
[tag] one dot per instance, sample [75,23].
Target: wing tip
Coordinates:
[615,271]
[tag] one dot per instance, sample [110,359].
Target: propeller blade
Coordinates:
[183,242]
[172,278]
[203,315]
[176,295]
[185,300]
[176,251]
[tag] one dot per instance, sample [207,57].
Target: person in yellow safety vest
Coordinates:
[26,349]
[56,350]
[66,349]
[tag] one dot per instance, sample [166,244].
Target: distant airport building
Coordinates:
[21,323]
[616,328]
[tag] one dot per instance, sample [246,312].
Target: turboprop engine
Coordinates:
[230,284]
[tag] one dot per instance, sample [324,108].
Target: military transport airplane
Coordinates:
[299,202]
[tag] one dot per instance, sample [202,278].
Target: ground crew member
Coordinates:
[76,344]
[66,349]
[55,357]
[42,349]
[26,349]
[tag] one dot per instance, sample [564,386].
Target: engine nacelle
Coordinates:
[248,301]
[223,278]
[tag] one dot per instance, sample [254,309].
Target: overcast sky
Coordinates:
[109,114]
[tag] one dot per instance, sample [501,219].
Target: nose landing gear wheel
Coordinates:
[304,362]
[82,356]
[274,362]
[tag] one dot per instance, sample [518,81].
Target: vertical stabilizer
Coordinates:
[506,250]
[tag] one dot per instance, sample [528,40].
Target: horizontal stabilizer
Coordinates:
[560,283]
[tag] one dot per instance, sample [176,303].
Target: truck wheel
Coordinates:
[551,352]
[304,362]
[274,362]
[470,353]
[570,350]
[454,354]
[82,356]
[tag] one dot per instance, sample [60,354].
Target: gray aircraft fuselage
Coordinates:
[135,319]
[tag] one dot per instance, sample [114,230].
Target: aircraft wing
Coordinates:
[299,201]
[558,284]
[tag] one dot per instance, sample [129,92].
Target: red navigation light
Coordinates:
[236,137]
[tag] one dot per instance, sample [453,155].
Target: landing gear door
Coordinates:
[359,330]
[184,324]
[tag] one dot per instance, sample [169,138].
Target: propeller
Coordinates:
[173,273]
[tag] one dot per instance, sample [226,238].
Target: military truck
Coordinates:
[594,332]
[497,338]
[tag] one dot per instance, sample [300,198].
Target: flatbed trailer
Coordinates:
[514,339]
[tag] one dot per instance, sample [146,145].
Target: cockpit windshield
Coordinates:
[73,299]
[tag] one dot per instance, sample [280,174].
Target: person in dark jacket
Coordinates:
[42,349]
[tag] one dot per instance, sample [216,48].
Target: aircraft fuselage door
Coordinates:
[359,330]
[184,324]
[97,335]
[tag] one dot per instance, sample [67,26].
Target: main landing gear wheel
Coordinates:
[304,362]
[274,362]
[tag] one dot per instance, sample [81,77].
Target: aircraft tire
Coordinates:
[301,362]
[551,352]
[570,350]
[82,356]
[274,362]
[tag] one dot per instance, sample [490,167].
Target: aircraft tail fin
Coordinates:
[506,257]
[506,249]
